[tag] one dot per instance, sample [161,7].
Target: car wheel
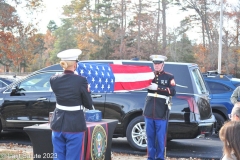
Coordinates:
[219,122]
[136,134]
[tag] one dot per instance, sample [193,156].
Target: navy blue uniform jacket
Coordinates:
[70,90]
[157,108]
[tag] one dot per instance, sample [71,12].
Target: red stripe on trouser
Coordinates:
[107,129]
[83,147]
[168,91]
[155,130]
[88,152]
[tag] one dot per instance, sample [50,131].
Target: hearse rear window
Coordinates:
[182,77]
[201,88]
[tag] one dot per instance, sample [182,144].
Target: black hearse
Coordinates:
[29,101]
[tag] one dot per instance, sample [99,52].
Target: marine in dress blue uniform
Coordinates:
[156,109]
[68,122]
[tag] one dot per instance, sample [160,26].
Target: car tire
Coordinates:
[219,122]
[136,134]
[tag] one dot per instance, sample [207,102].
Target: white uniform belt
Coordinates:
[161,96]
[157,95]
[68,108]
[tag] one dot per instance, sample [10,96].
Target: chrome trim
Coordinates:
[41,99]
[29,121]
[96,96]
[205,124]
[201,136]
[27,92]
[181,86]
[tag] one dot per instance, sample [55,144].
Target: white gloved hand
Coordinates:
[153,86]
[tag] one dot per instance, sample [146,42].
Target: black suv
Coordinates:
[191,114]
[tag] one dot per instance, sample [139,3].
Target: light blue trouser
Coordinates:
[67,145]
[156,131]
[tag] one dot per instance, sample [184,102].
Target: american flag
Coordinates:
[105,78]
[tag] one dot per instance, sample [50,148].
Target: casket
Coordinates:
[93,115]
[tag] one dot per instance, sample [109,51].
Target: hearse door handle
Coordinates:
[96,95]
[41,99]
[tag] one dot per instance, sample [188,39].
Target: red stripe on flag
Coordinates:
[131,85]
[118,68]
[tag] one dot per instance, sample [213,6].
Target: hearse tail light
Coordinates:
[191,102]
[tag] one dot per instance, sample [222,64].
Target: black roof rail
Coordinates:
[215,74]
[210,73]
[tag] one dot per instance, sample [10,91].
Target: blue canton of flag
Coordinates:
[99,76]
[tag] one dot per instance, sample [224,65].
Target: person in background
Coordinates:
[156,109]
[235,95]
[68,122]
[229,135]
[235,114]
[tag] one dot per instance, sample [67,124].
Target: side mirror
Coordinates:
[16,91]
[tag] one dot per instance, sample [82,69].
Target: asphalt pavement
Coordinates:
[203,148]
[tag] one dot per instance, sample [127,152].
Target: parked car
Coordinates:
[29,101]
[5,81]
[221,88]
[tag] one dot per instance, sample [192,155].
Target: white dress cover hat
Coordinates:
[157,58]
[69,55]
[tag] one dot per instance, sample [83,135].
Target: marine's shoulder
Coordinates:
[79,78]
[55,76]
[168,73]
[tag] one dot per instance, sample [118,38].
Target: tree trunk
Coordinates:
[226,54]
[121,45]
[164,28]
[139,26]
[235,52]
[157,29]
[203,34]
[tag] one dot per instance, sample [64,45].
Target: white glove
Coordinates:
[153,86]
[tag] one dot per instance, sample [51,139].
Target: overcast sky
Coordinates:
[53,11]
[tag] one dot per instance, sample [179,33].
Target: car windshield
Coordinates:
[33,82]
[39,82]
[201,87]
